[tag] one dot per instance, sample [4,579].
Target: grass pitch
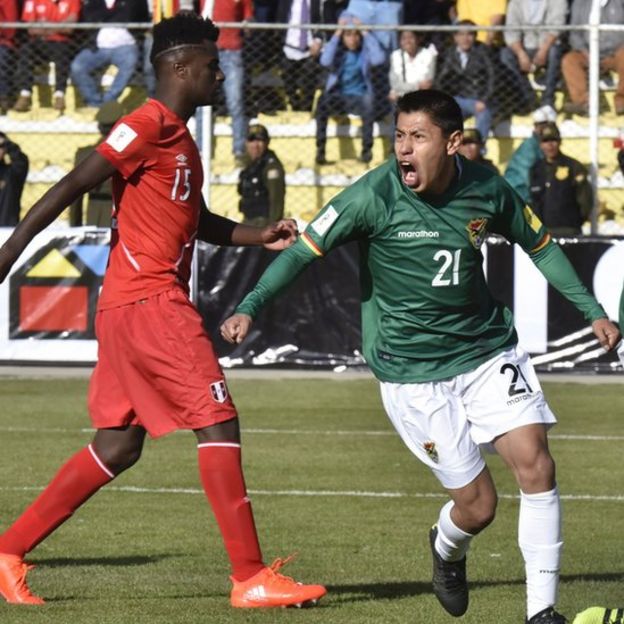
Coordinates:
[329,479]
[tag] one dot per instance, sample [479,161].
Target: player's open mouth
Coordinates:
[408,172]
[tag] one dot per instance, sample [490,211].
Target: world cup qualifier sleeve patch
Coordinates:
[121,137]
[219,392]
[322,223]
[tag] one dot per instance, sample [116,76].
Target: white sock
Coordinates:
[451,543]
[539,538]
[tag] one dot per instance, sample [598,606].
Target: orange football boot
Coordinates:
[268,588]
[13,581]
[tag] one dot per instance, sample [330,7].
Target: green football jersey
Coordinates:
[427,312]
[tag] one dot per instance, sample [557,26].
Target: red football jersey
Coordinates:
[156,196]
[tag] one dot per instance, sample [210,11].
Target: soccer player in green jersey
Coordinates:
[444,350]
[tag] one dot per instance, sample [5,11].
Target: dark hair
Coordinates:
[465,22]
[443,110]
[186,28]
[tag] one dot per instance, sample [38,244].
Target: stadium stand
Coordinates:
[50,139]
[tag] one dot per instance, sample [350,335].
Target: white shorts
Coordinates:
[444,422]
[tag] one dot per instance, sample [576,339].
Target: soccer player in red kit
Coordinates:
[156,370]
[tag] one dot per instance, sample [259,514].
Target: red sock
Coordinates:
[77,480]
[222,477]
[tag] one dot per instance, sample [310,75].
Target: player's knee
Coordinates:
[479,513]
[120,457]
[537,475]
[485,512]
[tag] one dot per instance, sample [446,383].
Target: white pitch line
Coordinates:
[617,498]
[571,436]
[312,432]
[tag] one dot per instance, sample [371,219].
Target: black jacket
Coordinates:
[561,194]
[122,11]
[476,80]
[261,186]
[12,179]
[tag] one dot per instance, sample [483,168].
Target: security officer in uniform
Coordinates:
[261,184]
[99,198]
[561,192]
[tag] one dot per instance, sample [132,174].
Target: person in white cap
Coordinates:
[527,154]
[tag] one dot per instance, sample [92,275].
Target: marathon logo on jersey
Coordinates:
[418,234]
[219,391]
[477,231]
[121,137]
[321,224]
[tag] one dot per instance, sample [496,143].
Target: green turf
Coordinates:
[156,557]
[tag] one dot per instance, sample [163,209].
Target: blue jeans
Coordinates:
[149,76]
[553,69]
[232,65]
[87,61]
[335,103]
[34,50]
[483,119]
[377,12]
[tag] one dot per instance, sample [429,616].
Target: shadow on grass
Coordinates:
[136,560]
[406,589]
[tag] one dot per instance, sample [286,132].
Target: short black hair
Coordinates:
[465,22]
[186,28]
[441,107]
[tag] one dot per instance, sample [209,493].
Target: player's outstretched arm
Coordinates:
[91,172]
[219,230]
[235,328]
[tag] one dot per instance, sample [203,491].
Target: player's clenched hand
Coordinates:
[280,235]
[607,333]
[236,328]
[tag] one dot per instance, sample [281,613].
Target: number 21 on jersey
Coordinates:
[448,273]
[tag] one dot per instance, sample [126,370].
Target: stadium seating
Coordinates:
[51,140]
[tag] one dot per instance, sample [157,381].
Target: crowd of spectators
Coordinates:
[82,54]
[493,74]
[520,66]
[521,57]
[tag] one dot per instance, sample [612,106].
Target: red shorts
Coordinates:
[157,368]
